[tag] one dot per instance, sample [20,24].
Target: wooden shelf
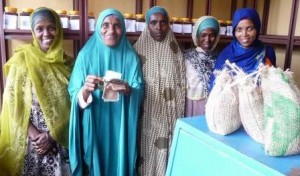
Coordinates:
[26,34]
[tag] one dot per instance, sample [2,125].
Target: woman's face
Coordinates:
[158,26]
[206,39]
[245,33]
[45,32]
[111,30]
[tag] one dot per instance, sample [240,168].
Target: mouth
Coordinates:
[47,41]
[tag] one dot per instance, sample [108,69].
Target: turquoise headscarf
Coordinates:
[103,135]
[208,23]
[153,10]
[203,23]
[102,16]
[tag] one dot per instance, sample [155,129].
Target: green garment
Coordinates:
[48,74]
[103,135]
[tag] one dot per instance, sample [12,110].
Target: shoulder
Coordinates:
[188,53]
[270,54]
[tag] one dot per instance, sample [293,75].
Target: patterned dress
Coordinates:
[164,73]
[55,162]
[199,65]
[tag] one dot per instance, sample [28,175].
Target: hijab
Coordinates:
[203,23]
[45,73]
[246,58]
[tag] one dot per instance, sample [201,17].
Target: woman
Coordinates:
[245,50]
[102,130]
[35,112]
[199,63]
[164,73]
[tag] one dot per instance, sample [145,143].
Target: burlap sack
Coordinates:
[221,109]
[250,103]
[281,113]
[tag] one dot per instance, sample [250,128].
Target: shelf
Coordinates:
[133,36]
[26,34]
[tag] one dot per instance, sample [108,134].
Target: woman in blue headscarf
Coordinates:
[104,114]
[245,50]
[199,63]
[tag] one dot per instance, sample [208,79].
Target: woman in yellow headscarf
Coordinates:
[35,113]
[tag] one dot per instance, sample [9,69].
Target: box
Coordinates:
[197,151]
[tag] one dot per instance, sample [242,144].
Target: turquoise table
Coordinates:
[196,151]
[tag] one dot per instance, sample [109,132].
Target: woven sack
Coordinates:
[250,102]
[221,109]
[281,113]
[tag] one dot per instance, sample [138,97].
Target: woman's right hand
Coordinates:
[91,83]
[43,143]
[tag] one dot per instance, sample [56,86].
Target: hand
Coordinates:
[295,172]
[91,83]
[127,89]
[43,143]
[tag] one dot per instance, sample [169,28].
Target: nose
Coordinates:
[244,32]
[111,29]
[158,26]
[46,32]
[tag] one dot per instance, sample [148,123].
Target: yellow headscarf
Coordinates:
[48,74]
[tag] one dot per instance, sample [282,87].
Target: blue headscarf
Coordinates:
[246,58]
[246,13]
[153,10]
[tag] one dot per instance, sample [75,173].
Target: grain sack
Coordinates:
[281,113]
[221,109]
[250,103]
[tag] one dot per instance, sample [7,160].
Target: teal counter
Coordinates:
[196,151]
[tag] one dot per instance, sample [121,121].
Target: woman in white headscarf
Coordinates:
[199,62]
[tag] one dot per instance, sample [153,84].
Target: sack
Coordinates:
[281,112]
[221,109]
[250,102]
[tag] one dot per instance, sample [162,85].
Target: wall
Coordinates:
[277,25]
[65,5]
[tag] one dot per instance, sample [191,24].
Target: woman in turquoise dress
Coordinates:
[103,131]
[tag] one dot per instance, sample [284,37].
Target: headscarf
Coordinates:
[246,58]
[153,10]
[203,23]
[246,13]
[46,73]
[96,58]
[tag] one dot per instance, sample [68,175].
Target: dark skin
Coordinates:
[158,26]
[110,32]
[45,31]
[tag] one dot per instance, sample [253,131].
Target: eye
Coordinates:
[164,22]
[153,22]
[39,29]
[251,28]
[117,26]
[105,25]
[52,29]
[238,29]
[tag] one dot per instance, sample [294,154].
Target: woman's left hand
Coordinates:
[127,89]
[43,143]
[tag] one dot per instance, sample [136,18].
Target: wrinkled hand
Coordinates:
[43,143]
[127,89]
[91,83]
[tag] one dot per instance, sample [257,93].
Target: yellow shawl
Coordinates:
[46,73]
